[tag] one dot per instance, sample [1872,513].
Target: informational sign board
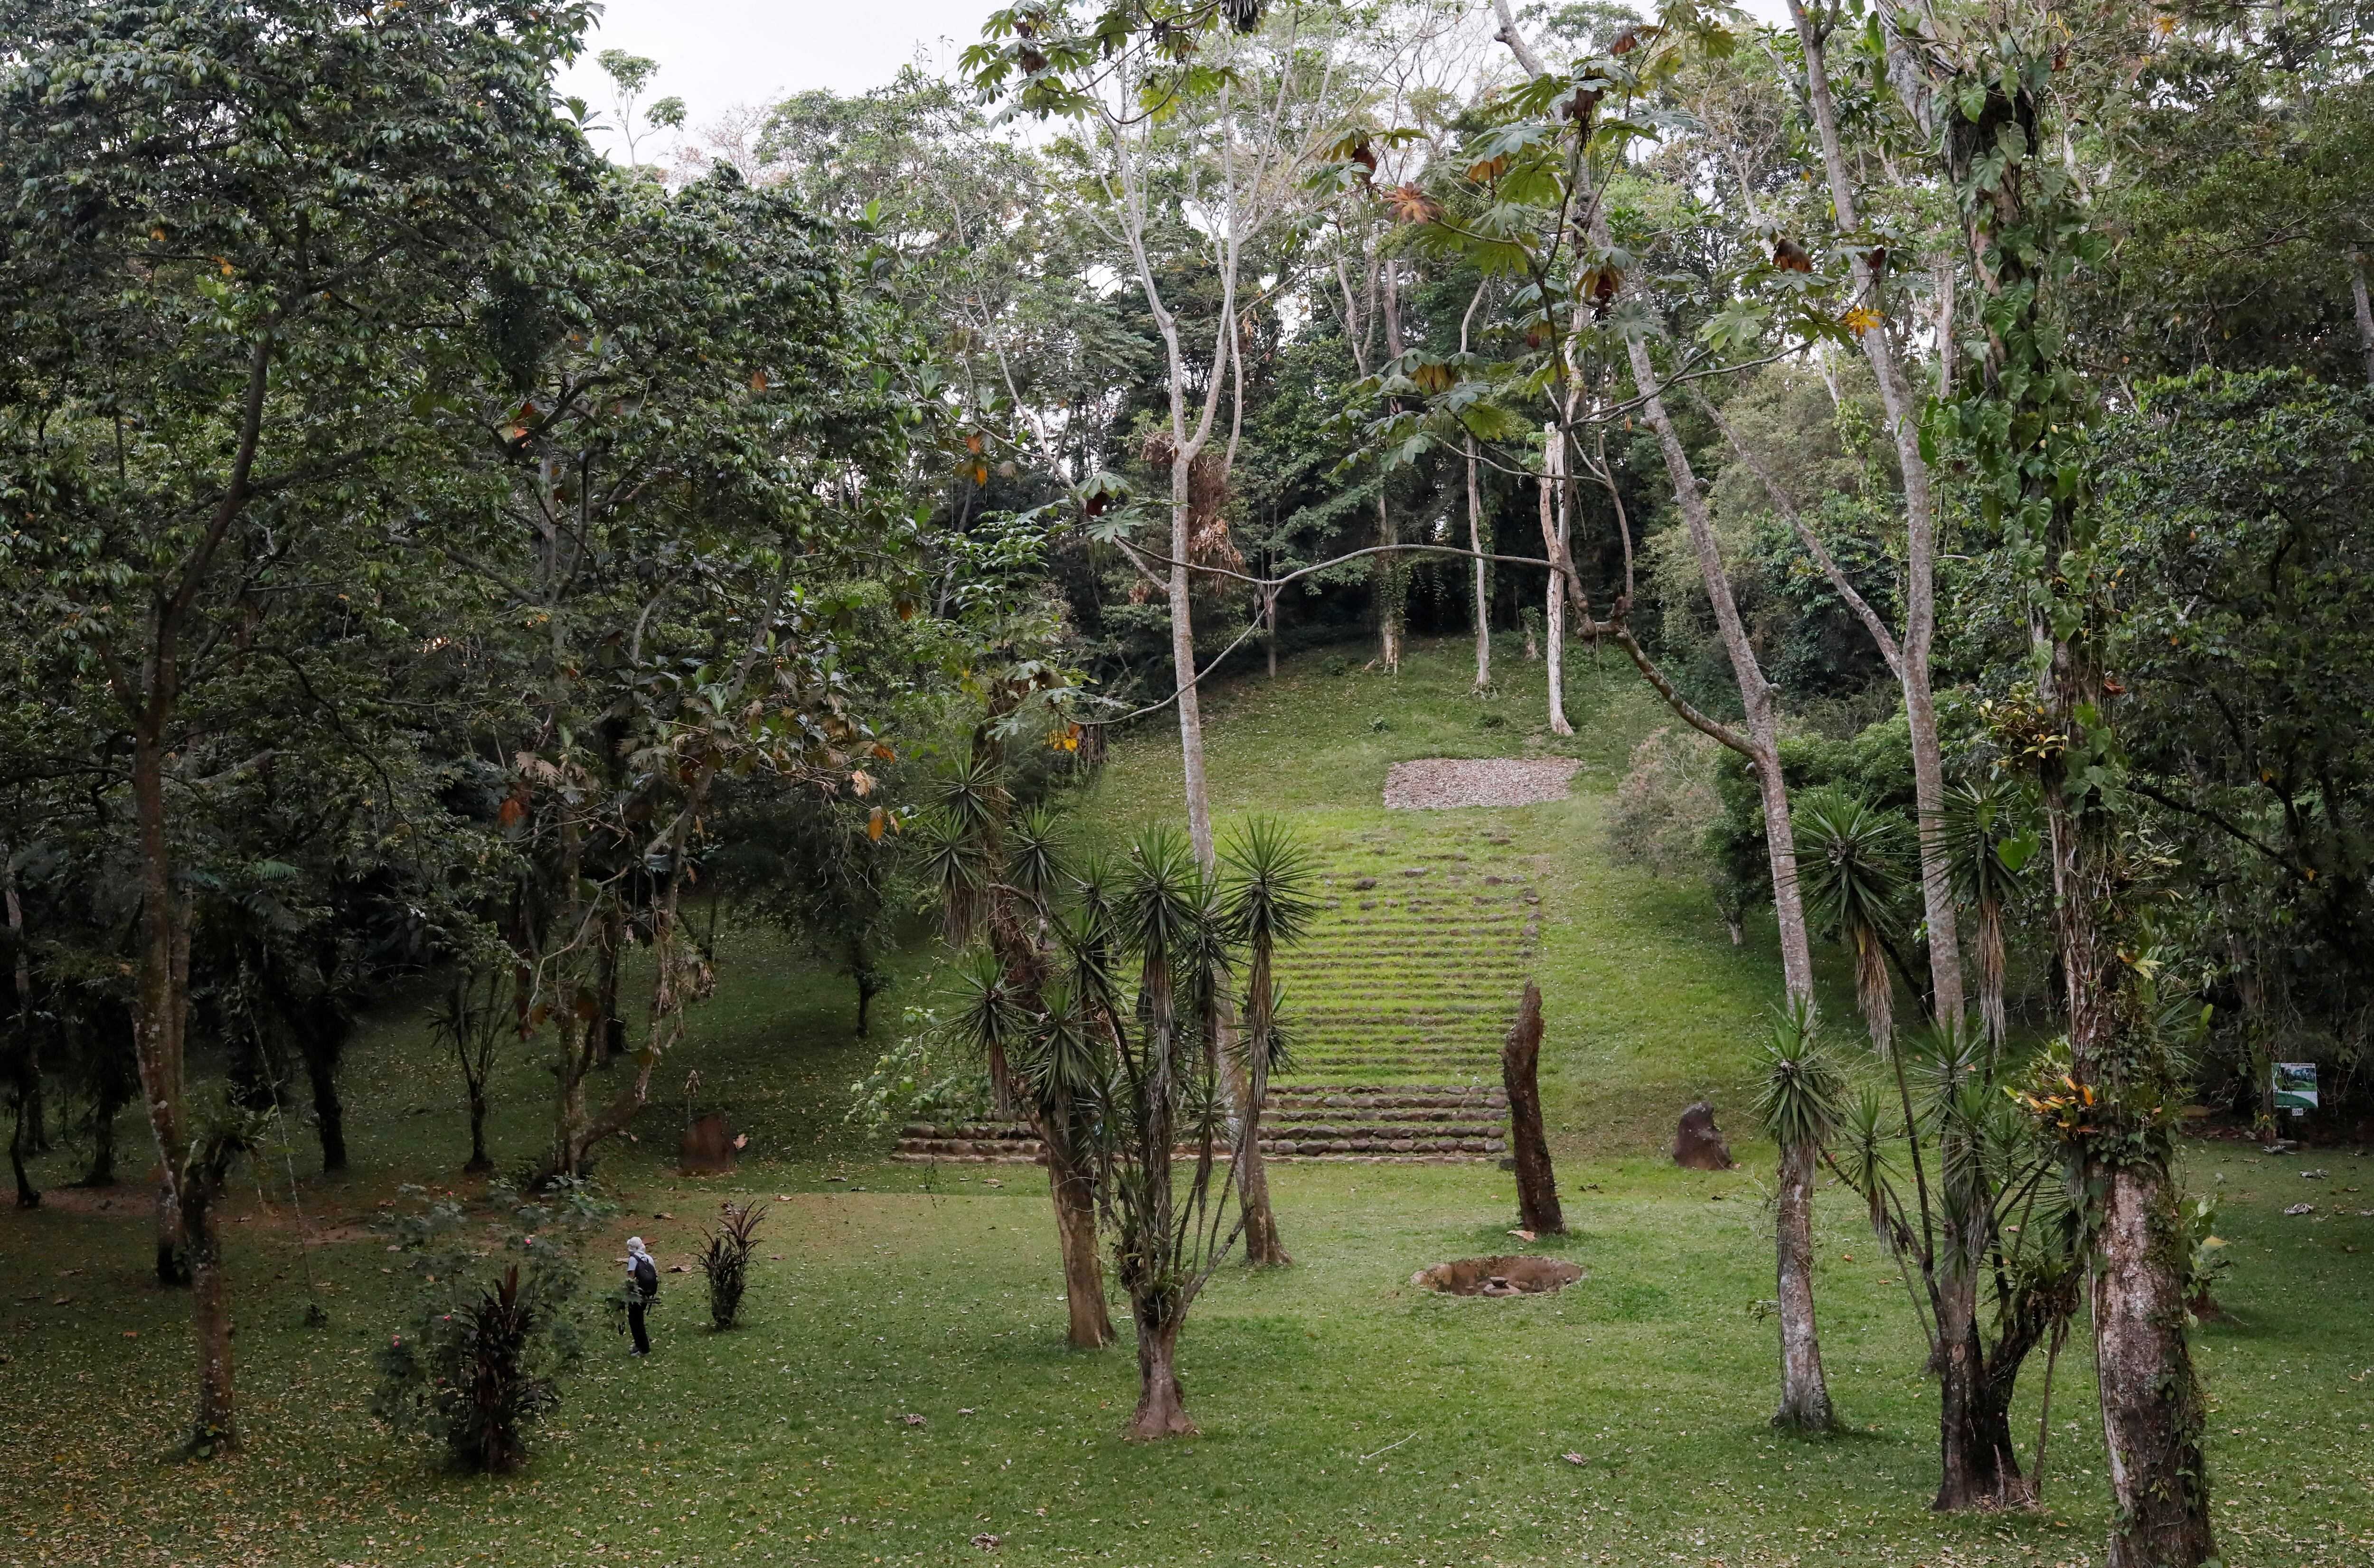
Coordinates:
[2295,1086]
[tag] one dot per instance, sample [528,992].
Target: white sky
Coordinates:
[722,54]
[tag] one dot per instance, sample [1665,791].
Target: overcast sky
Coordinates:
[720,54]
[716,54]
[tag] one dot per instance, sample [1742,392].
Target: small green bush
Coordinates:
[481,1360]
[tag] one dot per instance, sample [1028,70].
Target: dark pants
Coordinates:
[635,1321]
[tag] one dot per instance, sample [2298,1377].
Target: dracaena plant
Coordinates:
[1123,1039]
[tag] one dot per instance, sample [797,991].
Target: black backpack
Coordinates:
[647,1279]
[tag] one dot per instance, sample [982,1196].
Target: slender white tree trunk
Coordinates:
[1879,344]
[1554,505]
[2365,310]
[1483,598]
[1182,669]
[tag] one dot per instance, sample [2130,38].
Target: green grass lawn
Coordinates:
[1347,1418]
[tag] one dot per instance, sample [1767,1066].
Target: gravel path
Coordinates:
[1439,782]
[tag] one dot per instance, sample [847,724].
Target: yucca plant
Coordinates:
[1800,1099]
[1268,906]
[1122,1028]
[1966,1196]
[1851,866]
[1987,840]
[995,880]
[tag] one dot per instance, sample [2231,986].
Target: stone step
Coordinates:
[1432,1122]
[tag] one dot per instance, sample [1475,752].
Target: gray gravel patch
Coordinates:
[1440,783]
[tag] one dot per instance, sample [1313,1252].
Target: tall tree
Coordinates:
[2020,411]
[690,437]
[240,235]
[1553,148]
[1194,130]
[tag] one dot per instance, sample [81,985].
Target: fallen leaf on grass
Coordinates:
[2302,1208]
[679,1268]
[986,1542]
[1523,1236]
[1574,1458]
[912,1419]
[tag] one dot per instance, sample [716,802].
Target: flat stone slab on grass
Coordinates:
[1440,783]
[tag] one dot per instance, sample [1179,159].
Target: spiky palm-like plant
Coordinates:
[1269,906]
[1994,1225]
[1987,840]
[994,887]
[1161,909]
[1851,866]
[1800,1100]
[1122,1028]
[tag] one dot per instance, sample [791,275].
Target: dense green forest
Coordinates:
[951,565]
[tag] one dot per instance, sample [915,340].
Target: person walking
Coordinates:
[642,1288]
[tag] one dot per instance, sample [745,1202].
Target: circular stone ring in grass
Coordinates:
[1517,1276]
[1443,783]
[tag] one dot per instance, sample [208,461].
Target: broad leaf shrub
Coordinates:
[495,1325]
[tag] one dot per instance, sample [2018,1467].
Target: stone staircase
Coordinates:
[1408,1123]
[1396,1002]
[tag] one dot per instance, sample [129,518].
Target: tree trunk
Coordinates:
[2365,311]
[1805,1395]
[1554,616]
[870,984]
[576,1017]
[216,1430]
[1249,1070]
[1977,1466]
[1269,637]
[329,1113]
[575,1048]
[611,1043]
[28,1195]
[1071,1186]
[1161,1403]
[479,1160]
[25,1059]
[1483,593]
[1388,581]
[1264,1247]
[105,1107]
[30,1134]
[1903,411]
[1183,667]
[1520,1057]
[2153,1410]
